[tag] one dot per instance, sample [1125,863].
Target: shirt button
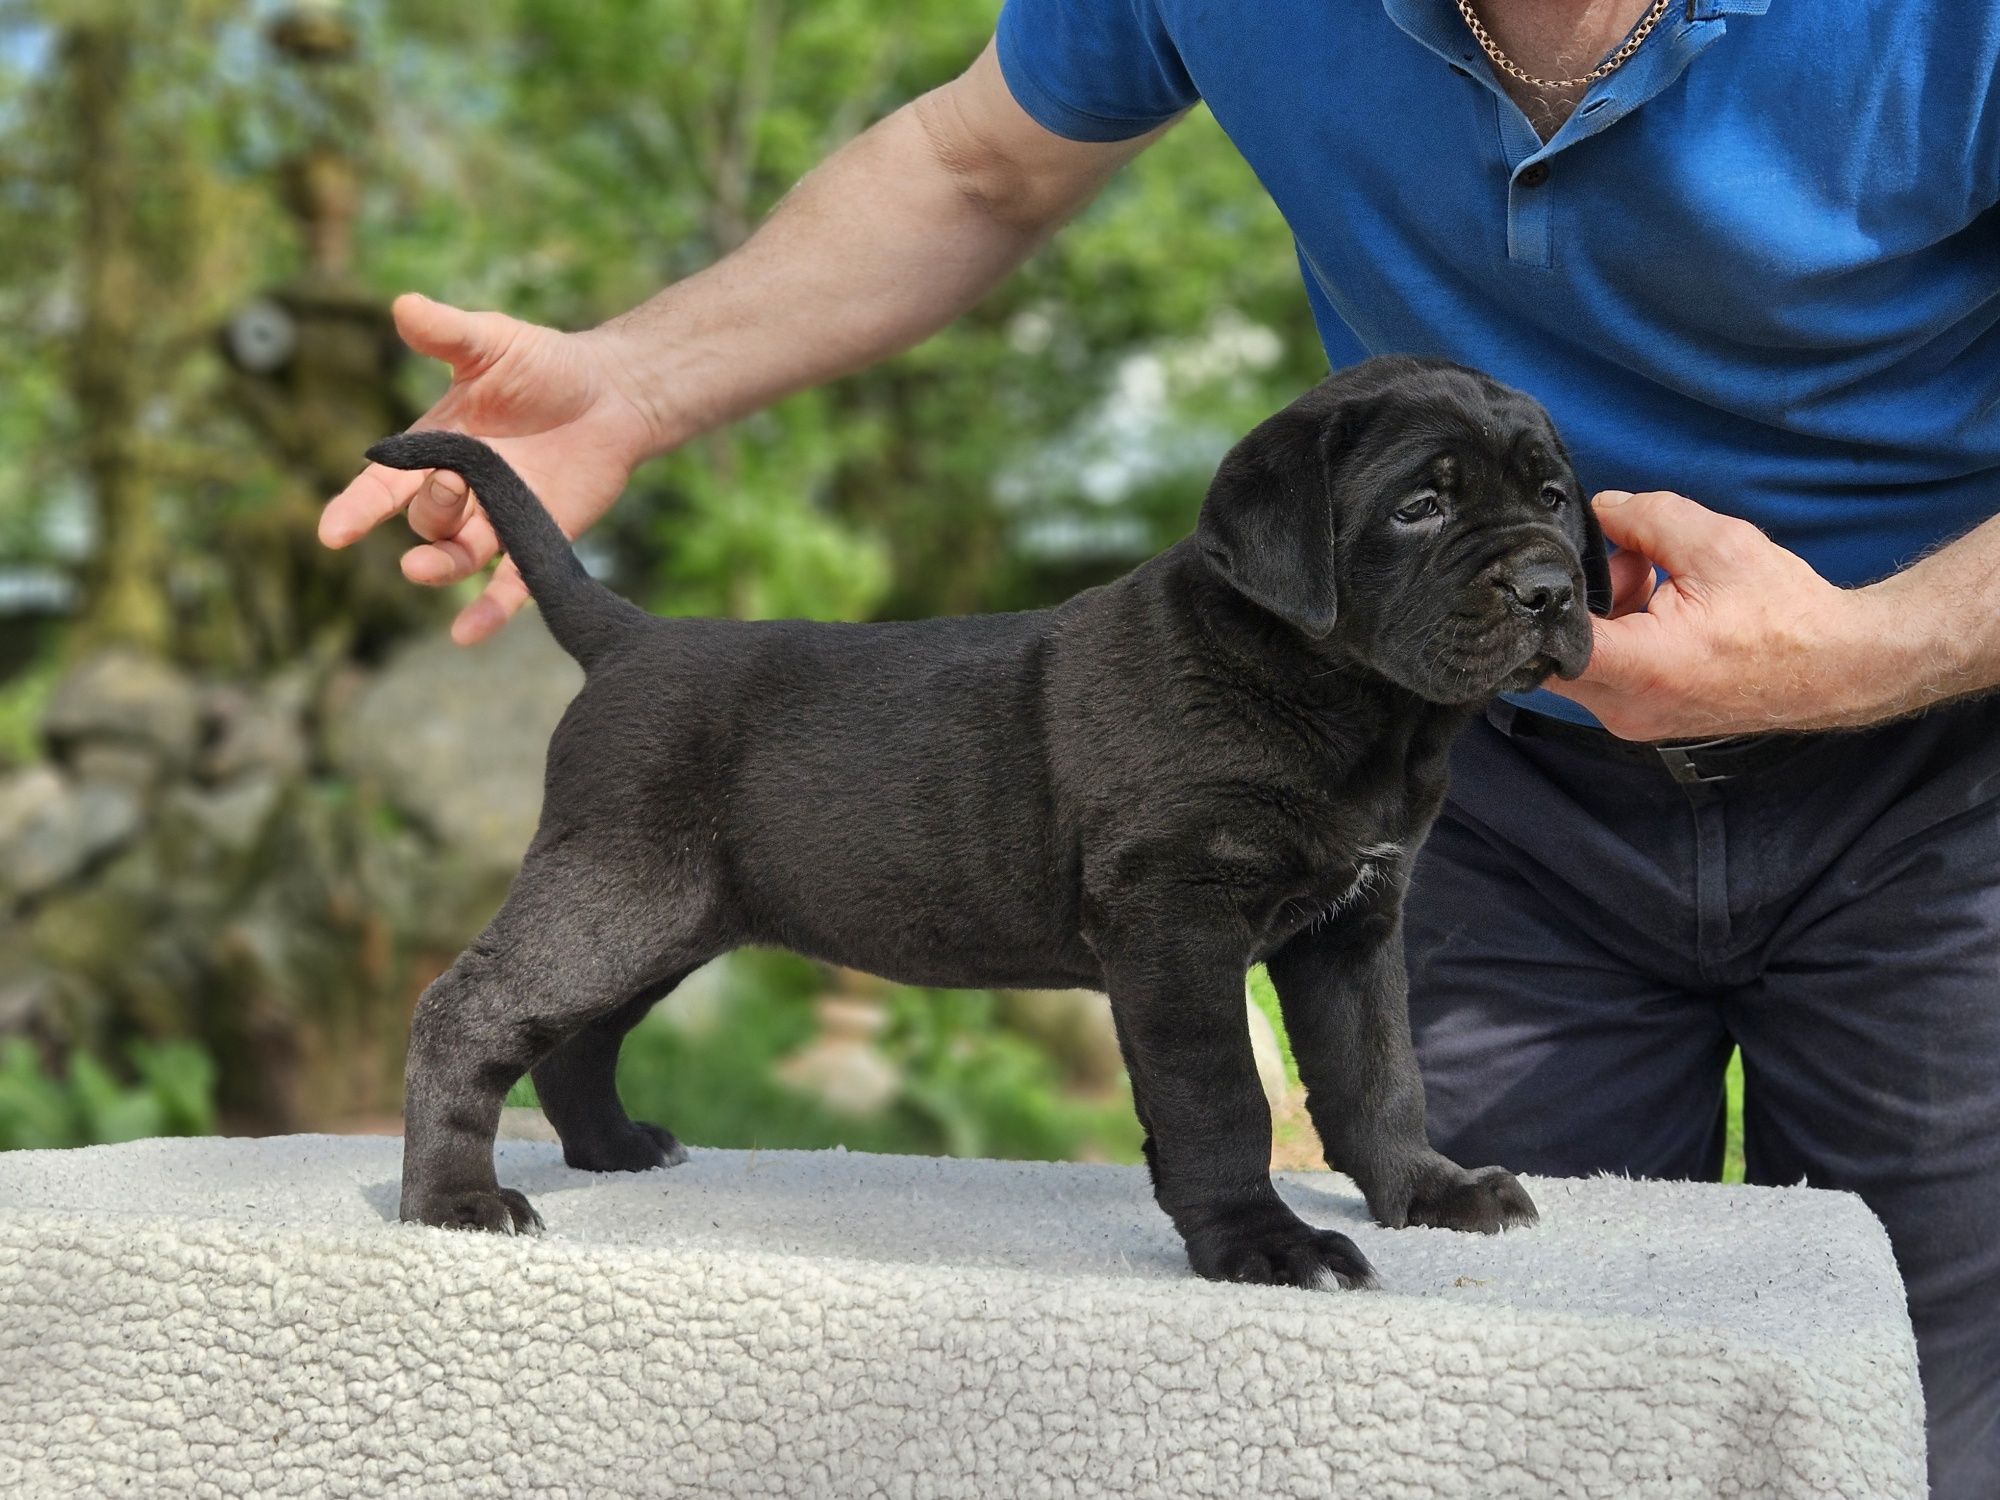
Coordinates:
[1535,176]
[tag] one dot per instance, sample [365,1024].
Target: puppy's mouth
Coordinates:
[1563,651]
[1536,671]
[1541,664]
[1505,656]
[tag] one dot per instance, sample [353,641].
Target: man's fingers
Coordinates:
[504,596]
[1626,656]
[442,506]
[1632,581]
[375,494]
[449,559]
[1631,661]
[466,341]
[1673,531]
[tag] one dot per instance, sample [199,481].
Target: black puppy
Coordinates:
[1228,755]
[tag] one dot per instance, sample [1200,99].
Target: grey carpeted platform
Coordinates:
[242,1318]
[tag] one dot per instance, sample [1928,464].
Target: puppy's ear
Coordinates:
[1592,552]
[1267,524]
[1596,563]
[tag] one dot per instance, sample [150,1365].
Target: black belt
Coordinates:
[1689,762]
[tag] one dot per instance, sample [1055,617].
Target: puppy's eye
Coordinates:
[1554,496]
[1419,508]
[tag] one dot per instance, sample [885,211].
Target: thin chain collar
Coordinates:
[1605,69]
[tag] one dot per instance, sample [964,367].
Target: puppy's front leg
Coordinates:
[1346,1003]
[1208,1128]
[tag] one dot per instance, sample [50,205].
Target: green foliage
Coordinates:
[171,1092]
[969,1088]
[979,1091]
[742,537]
[22,699]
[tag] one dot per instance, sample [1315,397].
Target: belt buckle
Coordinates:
[1680,763]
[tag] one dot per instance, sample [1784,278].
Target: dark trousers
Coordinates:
[1588,937]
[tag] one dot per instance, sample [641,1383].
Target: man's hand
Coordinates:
[551,403]
[1741,637]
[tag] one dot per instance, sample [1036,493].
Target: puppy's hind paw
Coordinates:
[503,1211]
[1485,1201]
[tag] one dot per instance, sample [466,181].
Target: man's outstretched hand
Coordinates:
[1741,637]
[553,404]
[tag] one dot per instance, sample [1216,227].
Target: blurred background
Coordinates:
[251,799]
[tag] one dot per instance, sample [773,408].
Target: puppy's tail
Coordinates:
[584,616]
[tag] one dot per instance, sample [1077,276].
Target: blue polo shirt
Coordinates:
[1760,264]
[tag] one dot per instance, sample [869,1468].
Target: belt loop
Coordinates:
[1684,768]
[1680,765]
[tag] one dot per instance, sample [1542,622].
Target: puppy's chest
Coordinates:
[1302,880]
[1327,851]
[1345,887]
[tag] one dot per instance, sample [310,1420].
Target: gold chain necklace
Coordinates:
[1604,69]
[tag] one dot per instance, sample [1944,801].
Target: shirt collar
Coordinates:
[1688,28]
[1411,14]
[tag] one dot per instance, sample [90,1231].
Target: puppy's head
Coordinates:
[1423,518]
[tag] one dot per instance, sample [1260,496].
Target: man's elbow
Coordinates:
[1005,164]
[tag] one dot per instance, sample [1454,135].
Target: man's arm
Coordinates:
[889,240]
[1745,637]
[883,244]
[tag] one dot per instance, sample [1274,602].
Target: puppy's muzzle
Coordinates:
[1540,592]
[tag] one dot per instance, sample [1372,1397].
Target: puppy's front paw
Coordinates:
[1483,1202]
[1271,1250]
[502,1211]
[638,1148]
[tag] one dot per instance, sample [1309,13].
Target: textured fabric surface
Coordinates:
[243,1318]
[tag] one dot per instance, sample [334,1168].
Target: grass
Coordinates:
[1267,1001]
[1732,1147]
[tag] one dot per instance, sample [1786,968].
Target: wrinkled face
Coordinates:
[1423,519]
[1462,572]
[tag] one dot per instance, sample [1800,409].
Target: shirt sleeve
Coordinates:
[1092,70]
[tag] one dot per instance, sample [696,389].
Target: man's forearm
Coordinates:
[1941,623]
[883,244]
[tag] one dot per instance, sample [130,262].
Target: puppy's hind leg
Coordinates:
[580,934]
[578,1086]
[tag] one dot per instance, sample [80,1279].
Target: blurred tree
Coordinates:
[314,359]
[151,156]
[126,599]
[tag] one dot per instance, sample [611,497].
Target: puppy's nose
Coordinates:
[1542,591]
